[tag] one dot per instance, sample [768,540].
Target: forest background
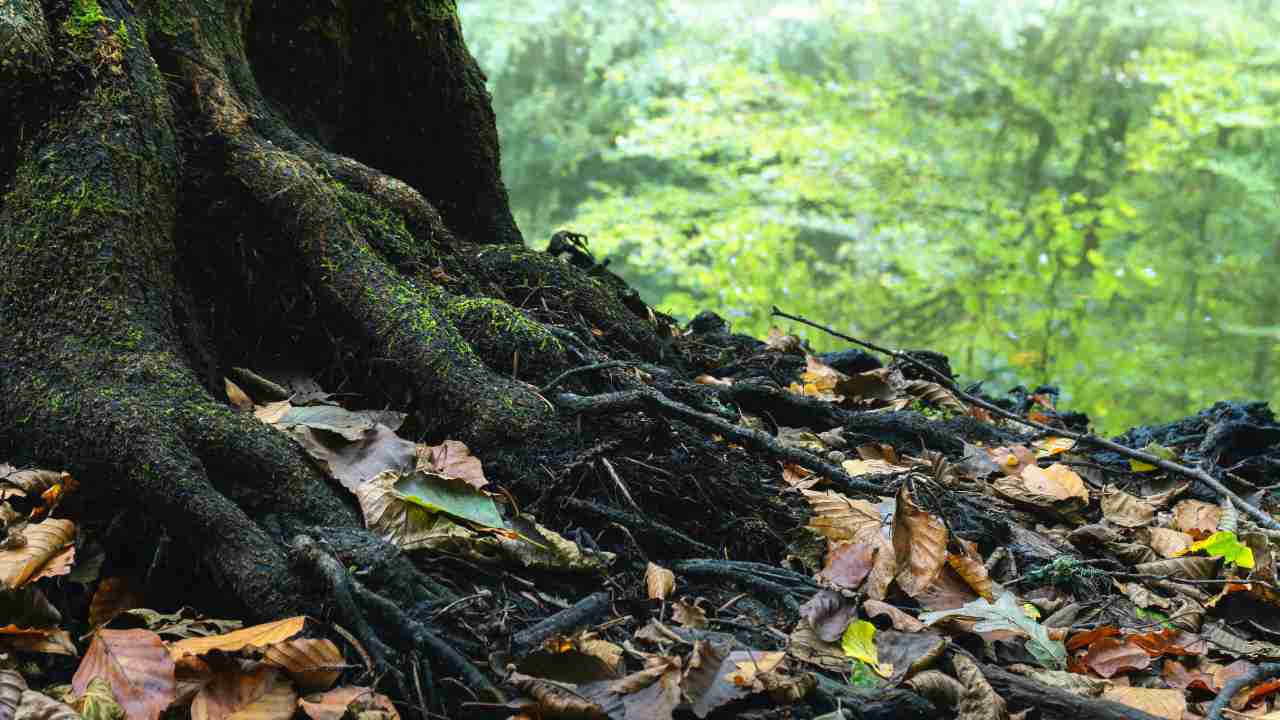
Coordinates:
[1082,192]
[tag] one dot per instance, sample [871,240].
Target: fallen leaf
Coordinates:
[1125,510]
[859,644]
[257,636]
[312,664]
[1197,519]
[333,705]
[828,613]
[452,459]
[898,618]
[1056,486]
[908,653]
[1157,450]
[1178,676]
[1013,459]
[1169,704]
[136,665]
[847,565]
[1111,656]
[978,700]
[113,596]
[1166,542]
[972,570]
[659,582]
[48,551]
[919,545]
[688,615]
[238,397]
[1225,545]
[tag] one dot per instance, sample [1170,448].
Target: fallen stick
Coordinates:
[1087,438]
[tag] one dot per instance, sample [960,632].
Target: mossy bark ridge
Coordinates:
[188,184]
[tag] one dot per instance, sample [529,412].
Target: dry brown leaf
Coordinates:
[659,582]
[919,545]
[113,596]
[1169,704]
[837,517]
[972,570]
[807,647]
[688,615]
[654,692]
[231,690]
[935,394]
[258,636]
[136,665]
[1167,543]
[1125,510]
[821,381]
[452,459]
[1196,518]
[940,689]
[279,701]
[1056,486]
[1179,676]
[847,564]
[828,613]
[899,618]
[798,477]
[313,664]
[47,552]
[713,381]
[978,701]
[869,467]
[907,653]
[1185,567]
[333,705]
[1110,656]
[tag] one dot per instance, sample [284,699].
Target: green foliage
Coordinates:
[85,17]
[1081,193]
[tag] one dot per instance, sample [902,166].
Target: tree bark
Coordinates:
[188,185]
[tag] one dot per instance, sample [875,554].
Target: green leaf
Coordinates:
[1225,545]
[450,496]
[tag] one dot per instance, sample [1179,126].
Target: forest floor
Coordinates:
[765,533]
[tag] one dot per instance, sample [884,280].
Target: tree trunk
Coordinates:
[192,186]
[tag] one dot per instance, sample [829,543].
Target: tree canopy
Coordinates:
[1078,191]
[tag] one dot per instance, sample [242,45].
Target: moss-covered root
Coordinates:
[25,55]
[536,278]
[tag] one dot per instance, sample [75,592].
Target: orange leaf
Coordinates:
[972,570]
[136,665]
[333,704]
[113,596]
[1085,638]
[659,582]
[1197,519]
[1110,656]
[259,636]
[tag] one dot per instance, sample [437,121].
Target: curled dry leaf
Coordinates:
[1125,510]
[1186,567]
[713,381]
[935,394]
[807,647]
[847,565]
[978,701]
[940,689]
[969,566]
[47,551]
[136,665]
[240,400]
[38,706]
[659,582]
[258,636]
[1050,446]
[919,545]
[899,618]
[908,653]
[114,596]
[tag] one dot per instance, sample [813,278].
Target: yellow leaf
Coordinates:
[859,643]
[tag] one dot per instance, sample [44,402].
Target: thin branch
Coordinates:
[1088,438]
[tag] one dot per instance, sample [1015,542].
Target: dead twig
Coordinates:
[1087,438]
